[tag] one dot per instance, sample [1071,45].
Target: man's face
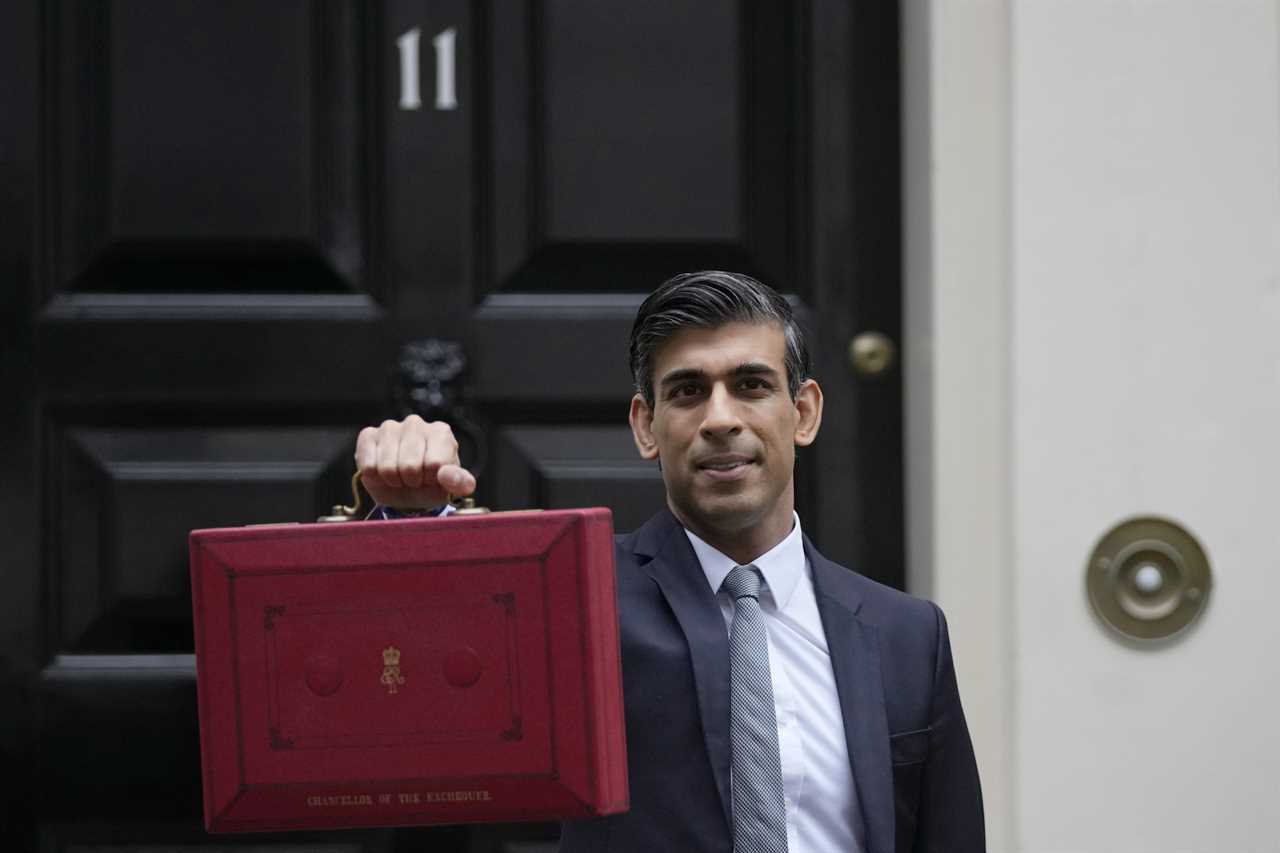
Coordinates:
[725,429]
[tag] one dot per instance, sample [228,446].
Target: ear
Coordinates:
[642,428]
[808,412]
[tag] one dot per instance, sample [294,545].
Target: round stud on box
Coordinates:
[462,667]
[1148,578]
[323,674]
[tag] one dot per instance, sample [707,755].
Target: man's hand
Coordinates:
[411,464]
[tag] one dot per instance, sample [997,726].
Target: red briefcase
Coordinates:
[439,670]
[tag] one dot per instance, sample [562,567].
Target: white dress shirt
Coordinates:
[822,810]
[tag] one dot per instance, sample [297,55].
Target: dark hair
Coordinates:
[706,300]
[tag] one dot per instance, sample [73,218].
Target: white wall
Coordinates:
[1103,342]
[956,208]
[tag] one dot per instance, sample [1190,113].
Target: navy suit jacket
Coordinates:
[909,750]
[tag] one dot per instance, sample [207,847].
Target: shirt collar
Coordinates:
[781,565]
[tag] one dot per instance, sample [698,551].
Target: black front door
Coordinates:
[231,233]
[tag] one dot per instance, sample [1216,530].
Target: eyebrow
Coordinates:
[747,368]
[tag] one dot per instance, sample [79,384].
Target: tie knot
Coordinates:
[743,582]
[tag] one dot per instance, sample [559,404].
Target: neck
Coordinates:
[743,545]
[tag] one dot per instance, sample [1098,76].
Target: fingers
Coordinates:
[388,457]
[367,449]
[411,452]
[411,463]
[441,447]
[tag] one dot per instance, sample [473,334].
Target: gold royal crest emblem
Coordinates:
[391,676]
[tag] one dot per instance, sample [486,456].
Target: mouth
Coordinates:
[725,466]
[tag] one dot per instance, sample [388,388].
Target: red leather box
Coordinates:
[440,670]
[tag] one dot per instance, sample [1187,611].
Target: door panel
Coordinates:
[184,166]
[572,466]
[608,133]
[125,501]
[621,138]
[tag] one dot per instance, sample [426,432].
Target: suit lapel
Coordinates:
[676,570]
[855,660]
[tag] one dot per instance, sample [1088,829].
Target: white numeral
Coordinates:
[446,69]
[408,45]
[446,94]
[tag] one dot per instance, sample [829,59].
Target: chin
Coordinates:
[729,512]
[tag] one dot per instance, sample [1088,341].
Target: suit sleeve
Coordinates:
[950,816]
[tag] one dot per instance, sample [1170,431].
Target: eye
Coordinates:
[688,389]
[755,384]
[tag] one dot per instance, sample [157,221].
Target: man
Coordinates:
[775,701]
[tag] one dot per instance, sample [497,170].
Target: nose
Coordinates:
[720,417]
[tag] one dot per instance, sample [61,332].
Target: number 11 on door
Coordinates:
[446,63]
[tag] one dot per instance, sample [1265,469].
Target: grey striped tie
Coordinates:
[759,811]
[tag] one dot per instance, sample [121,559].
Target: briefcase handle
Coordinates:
[339,513]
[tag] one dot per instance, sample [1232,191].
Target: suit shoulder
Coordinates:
[911,630]
[882,604]
[627,560]
[643,543]
[886,596]
[625,542]
[624,546]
